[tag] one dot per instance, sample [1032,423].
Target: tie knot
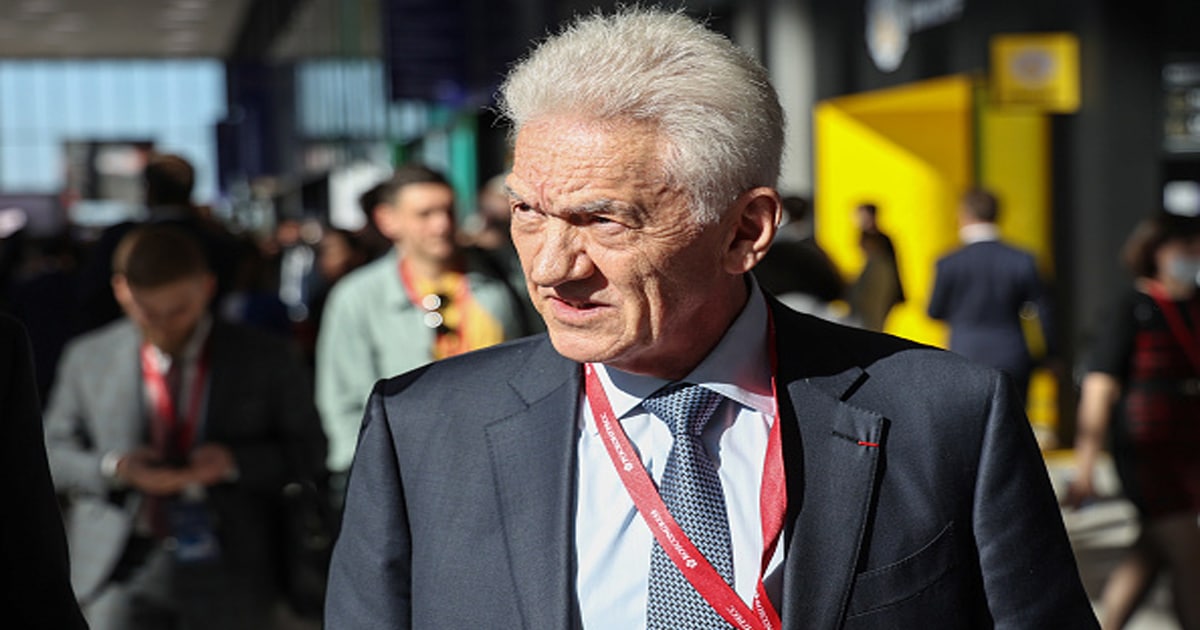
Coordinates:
[685,407]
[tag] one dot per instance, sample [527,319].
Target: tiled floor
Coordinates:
[1100,533]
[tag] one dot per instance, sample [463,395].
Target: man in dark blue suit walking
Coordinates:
[981,290]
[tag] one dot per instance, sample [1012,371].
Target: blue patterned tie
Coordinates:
[692,492]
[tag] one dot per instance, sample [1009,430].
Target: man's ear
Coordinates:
[124,296]
[120,289]
[756,213]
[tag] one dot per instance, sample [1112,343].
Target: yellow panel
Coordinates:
[909,152]
[1039,70]
[942,139]
[1015,165]
[1042,406]
[838,138]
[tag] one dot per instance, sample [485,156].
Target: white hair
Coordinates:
[712,102]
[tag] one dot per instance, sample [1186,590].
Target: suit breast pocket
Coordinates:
[905,579]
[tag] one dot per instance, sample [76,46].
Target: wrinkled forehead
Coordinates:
[568,161]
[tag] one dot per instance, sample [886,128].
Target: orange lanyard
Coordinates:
[461,299]
[671,537]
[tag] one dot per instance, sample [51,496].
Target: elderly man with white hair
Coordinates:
[681,450]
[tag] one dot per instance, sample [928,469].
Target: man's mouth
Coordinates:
[571,309]
[575,303]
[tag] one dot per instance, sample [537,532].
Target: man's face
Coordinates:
[167,315]
[866,220]
[614,261]
[421,219]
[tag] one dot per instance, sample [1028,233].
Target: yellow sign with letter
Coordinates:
[1039,70]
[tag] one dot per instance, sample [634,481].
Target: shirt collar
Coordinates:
[191,350]
[978,233]
[737,368]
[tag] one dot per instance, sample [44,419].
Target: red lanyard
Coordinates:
[461,299]
[168,423]
[1175,322]
[698,571]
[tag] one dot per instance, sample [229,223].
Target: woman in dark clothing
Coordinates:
[1143,386]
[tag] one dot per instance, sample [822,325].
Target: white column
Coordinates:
[792,63]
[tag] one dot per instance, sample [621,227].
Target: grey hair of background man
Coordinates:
[712,102]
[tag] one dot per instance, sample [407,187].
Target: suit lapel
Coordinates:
[533,459]
[831,489]
[832,450]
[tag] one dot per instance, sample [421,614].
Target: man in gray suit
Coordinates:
[682,451]
[172,435]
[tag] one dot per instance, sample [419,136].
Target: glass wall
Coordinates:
[48,105]
[345,119]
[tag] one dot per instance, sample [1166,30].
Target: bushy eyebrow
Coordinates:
[600,206]
[596,206]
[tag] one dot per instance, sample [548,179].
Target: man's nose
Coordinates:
[560,257]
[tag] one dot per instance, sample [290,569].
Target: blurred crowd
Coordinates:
[175,362]
[277,279]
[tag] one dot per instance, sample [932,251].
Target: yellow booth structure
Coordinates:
[913,150]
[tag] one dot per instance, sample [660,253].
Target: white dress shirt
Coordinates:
[978,233]
[190,365]
[612,541]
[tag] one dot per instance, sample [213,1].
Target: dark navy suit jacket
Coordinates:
[916,494]
[980,290]
[33,545]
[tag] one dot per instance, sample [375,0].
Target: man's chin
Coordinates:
[579,346]
[167,346]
